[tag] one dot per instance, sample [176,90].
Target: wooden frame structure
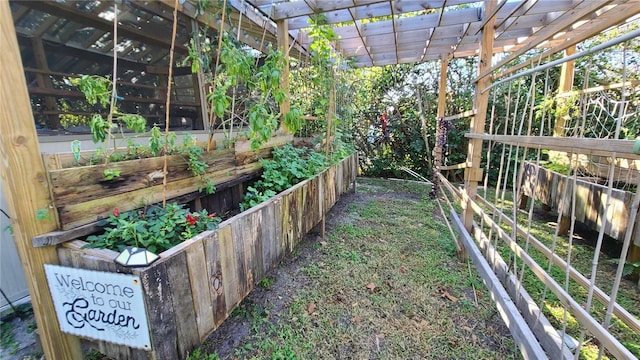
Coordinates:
[372,33]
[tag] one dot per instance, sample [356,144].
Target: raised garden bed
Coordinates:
[82,195]
[591,199]
[194,286]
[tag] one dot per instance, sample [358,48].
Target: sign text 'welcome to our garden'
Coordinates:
[99,305]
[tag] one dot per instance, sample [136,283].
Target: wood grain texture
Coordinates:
[229,266]
[199,278]
[184,300]
[549,188]
[160,311]
[74,215]
[213,257]
[73,185]
[25,189]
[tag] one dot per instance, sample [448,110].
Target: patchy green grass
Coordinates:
[582,246]
[384,284]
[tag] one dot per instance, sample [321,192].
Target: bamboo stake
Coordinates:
[168,103]
[212,113]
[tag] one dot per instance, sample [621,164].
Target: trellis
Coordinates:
[498,221]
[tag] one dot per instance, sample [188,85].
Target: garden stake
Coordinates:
[166,117]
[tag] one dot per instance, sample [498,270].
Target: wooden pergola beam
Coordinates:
[87,19]
[26,191]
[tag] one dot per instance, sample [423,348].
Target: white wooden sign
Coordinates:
[99,305]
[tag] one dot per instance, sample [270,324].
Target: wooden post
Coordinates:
[25,188]
[283,45]
[438,151]
[473,172]
[53,120]
[566,83]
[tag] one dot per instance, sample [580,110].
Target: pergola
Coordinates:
[57,38]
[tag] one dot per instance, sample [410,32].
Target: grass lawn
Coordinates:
[384,283]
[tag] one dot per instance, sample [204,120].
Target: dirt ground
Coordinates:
[287,315]
[240,335]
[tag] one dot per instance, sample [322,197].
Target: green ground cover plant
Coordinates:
[155,228]
[384,283]
[582,251]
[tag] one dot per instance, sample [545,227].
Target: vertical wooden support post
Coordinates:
[53,120]
[198,87]
[25,188]
[438,151]
[566,83]
[473,172]
[283,45]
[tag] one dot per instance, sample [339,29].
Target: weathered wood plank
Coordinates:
[591,199]
[278,231]
[268,238]
[229,267]
[67,160]
[239,248]
[243,146]
[73,185]
[60,236]
[199,278]
[183,297]
[257,227]
[75,215]
[213,256]
[160,311]
[287,228]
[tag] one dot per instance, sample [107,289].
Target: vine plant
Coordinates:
[97,91]
[238,67]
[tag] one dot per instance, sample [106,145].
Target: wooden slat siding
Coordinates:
[79,184]
[242,273]
[199,279]
[229,266]
[160,312]
[213,256]
[182,295]
[244,146]
[269,238]
[278,249]
[84,213]
[310,190]
[253,156]
[291,199]
[590,199]
[110,349]
[257,242]
[237,195]
[340,178]
[298,197]
[330,187]
[67,160]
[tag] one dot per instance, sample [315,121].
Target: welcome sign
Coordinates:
[99,305]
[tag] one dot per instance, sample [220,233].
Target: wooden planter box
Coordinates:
[194,286]
[81,195]
[591,199]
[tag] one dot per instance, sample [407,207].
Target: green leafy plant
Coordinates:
[110,174]
[288,167]
[43,214]
[155,228]
[98,92]
[7,340]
